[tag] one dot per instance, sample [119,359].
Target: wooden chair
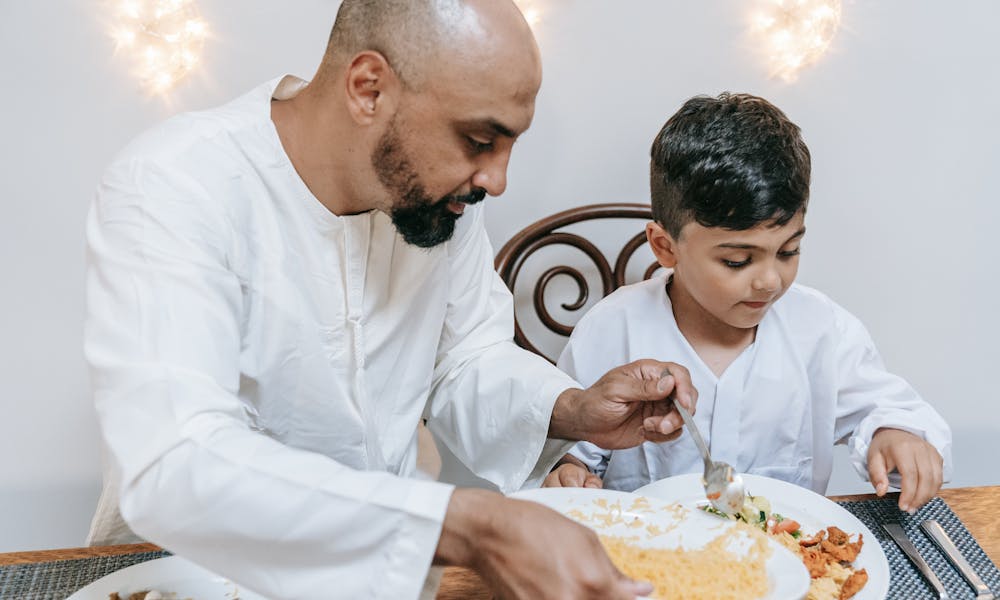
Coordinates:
[512,257]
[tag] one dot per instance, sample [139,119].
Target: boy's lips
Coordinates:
[756,304]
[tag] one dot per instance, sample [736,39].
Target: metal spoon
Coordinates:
[723,485]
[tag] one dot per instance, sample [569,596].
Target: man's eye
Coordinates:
[479,146]
[735,264]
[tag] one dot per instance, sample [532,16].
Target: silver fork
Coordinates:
[943,541]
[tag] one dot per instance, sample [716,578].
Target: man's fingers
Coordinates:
[666,378]
[662,424]
[633,589]
[659,438]
[662,428]
[683,389]
[878,473]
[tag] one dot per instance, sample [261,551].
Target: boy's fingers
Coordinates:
[878,473]
[910,475]
[593,481]
[572,476]
[930,476]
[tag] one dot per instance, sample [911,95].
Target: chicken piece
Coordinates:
[837,535]
[815,539]
[815,561]
[845,552]
[854,584]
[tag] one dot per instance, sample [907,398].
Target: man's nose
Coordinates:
[492,174]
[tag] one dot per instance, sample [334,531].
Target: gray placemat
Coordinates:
[906,583]
[59,579]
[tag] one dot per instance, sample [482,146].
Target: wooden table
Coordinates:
[978,508]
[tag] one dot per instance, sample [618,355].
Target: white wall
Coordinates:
[901,119]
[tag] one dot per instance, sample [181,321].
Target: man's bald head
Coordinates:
[415,36]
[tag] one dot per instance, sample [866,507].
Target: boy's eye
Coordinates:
[789,253]
[735,264]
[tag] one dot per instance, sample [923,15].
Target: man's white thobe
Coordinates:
[260,366]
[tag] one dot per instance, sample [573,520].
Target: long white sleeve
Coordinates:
[164,339]
[492,401]
[869,398]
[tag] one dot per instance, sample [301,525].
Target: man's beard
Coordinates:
[420,219]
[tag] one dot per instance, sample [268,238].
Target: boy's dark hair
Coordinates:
[733,162]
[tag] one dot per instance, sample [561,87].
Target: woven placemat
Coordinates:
[906,582]
[59,579]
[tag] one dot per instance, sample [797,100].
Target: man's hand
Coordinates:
[625,407]
[918,463]
[570,472]
[509,544]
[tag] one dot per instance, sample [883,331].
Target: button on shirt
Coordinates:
[260,366]
[812,378]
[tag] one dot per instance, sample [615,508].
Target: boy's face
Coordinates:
[733,276]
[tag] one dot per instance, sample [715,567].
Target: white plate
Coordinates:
[173,576]
[687,528]
[812,511]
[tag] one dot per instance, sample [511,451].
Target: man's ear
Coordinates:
[372,87]
[663,245]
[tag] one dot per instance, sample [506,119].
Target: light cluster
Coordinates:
[796,33]
[164,38]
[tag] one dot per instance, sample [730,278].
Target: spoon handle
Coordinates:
[695,434]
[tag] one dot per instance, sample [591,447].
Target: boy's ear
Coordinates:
[663,245]
[372,87]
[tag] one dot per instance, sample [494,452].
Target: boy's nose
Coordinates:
[769,280]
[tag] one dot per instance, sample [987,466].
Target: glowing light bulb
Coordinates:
[166,37]
[796,34]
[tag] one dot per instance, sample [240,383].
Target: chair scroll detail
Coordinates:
[543,233]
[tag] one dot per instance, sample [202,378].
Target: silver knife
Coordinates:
[940,537]
[899,536]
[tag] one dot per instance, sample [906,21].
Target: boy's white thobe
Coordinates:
[812,378]
[260,366]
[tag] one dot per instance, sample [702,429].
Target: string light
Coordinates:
[164,37]
[796,33]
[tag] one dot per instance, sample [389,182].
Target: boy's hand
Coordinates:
[918,463]
[571,475]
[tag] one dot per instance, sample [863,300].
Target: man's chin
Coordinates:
[427,234]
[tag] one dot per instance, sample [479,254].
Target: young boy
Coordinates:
[782,372]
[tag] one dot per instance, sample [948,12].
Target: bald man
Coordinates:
[279,291]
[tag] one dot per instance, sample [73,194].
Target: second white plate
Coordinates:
[173,576]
